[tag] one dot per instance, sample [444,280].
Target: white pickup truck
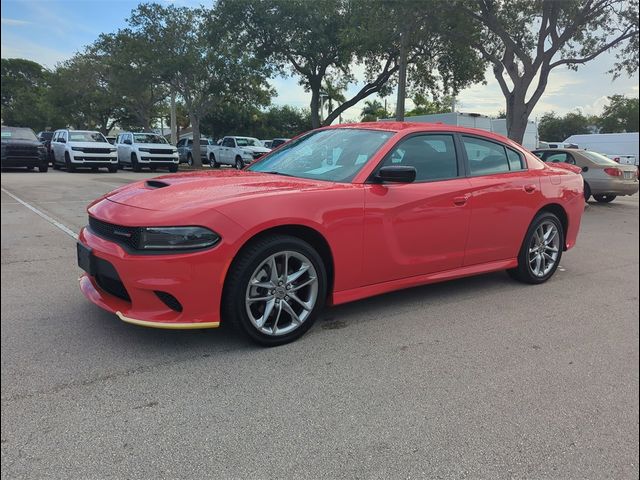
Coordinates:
[236,151]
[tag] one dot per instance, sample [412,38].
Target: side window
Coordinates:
[515,160]
[63,135]
[560,157]
[485,157]
[433,156]
[180,143]
[228,142]
[189,142]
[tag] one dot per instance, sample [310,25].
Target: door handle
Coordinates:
[530,188]
[460,201]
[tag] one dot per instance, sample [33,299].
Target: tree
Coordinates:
[81,91]
[324,39]
[424,106]
[528,39]
[552,127]
[199,61]
[25,101]
[620,115]
[373,111]
[333,92]
[134,73]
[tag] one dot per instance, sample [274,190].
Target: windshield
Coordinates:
[87,137]
[599,159]
[248,142]
[336,155]
[18,134]
[148,138]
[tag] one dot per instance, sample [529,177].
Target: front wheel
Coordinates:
[541,250]
[135,166]
[67,163]
[113,168]
[190,160]
[239,163]
[275,289]
[605,198]
[587,192]
[213,162]
[44,168]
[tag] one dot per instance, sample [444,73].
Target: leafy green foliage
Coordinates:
[620,115]
[555,128]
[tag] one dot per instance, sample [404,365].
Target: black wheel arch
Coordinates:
[559,211]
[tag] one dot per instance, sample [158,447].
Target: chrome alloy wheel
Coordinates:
[281,293]
[544,249]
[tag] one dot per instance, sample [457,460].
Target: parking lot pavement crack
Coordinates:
[103,378]
[33,260]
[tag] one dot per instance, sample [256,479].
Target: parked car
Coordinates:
[624,159]
[146,150]
[266,143]
[111,140]
[236,151]
[339,214]
[73,149]
[21,148]
[276,142]
[45,139]
[185,147]
[603,178]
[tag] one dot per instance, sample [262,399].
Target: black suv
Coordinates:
[21,148]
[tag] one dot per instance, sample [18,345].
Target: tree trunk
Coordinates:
[402,79]
[517,117]
[195,149]
[315,105]
[174,125]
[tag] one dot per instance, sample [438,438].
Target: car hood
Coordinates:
[256,149]
[20,143]
[207,189]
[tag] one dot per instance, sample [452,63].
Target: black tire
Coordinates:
[113,168]
[239,276]
[67,162]
[44,168]
[239,163]
[213,162]
[523,272]
[604,198]
[173,168]
[587,192]
[189,160]
[135,166]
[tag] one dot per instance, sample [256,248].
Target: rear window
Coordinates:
[599,159]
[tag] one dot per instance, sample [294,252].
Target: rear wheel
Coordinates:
[605,198]
[587,192]
[541,250]
[275,289]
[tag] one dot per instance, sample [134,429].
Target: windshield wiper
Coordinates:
[273,172]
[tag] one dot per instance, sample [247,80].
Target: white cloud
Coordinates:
[13,22]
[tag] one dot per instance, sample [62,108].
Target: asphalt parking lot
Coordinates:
[475,378]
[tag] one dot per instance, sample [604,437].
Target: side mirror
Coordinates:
[396,174]
[585,169]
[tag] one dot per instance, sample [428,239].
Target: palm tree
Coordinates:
[372,109]
[333,93]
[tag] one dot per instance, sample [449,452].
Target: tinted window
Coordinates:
[485,158]
[149,138]
[248,142]
[335,155]
[515,160]
[433,156]
[560,157]
[228,142]
[15,133]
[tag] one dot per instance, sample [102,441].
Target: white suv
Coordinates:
[73,149]
[137,150]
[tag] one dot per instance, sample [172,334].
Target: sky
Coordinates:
[51,31]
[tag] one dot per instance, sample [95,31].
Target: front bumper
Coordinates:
[94,160]
[194,279]
[9,161]
[158,160]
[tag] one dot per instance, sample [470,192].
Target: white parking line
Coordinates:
[52,221]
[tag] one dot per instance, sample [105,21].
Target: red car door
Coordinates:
[420,227]
[505,198]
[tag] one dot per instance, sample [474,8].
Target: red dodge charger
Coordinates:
[335,215]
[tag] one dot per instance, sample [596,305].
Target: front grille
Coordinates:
[160,151]
[96,150]
[126,236]
[22,151]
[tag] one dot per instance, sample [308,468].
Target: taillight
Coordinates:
[614,172]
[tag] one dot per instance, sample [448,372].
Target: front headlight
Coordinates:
[177,238]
